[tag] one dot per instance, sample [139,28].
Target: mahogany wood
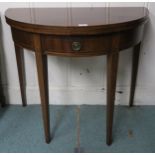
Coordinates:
[21,72]
[92,31]
[135,61]
[42,69]
[2,96]
[112,64]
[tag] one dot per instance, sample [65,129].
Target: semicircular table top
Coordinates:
[75,19]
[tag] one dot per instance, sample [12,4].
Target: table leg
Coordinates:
[112,64]
[135,60]
[21,72]
[41,61]
[2,98]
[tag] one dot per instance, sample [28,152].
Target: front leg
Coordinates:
[42,70]
[112,64]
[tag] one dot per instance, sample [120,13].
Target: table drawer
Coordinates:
[75,45]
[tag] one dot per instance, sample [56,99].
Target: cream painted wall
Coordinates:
[70,82]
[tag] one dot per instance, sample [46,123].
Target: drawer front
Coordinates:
[75,45]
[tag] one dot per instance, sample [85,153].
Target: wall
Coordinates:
[79,80]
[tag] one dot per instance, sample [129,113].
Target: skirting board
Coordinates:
[75,95]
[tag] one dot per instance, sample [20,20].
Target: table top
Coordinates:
[76,18]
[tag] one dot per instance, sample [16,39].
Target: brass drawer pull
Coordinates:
[76,46]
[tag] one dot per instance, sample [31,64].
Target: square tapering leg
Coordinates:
[21,72]
[112,65]
[135,61]
[41,61]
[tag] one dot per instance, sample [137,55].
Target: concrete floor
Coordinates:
[21,129]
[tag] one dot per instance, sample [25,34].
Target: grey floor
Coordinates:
[21,129]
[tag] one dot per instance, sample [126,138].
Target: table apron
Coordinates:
[89,45]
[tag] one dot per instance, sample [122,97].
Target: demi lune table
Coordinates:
[77,32]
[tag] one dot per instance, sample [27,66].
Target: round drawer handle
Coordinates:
[76,46]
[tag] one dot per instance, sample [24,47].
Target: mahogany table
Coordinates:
[77,32]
